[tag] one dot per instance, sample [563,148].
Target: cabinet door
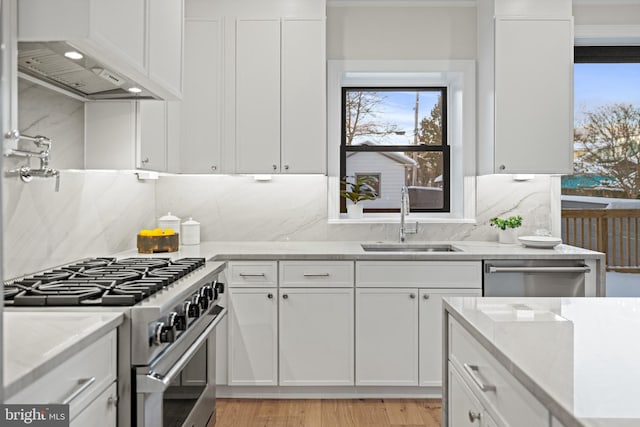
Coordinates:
[110,135]
[166,18]
[533,96]
[253,336]
[102,412]
[257,96]
[386,336]
[153,135]
[128,37]
[316,336]
[201,131]
[431,332]
[303,96]
[464,409]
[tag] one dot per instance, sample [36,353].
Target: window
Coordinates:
[453,81]
[398,135]
[607,123]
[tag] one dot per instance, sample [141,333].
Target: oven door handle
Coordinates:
[154,382]
[581,269]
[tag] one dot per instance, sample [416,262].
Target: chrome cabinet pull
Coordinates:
[473,416]
[425,296]
[316,274]
[473,370]
[412,296]
[286,167]
[285,296]
[274,167]
[580,269]
[145,160]
[270,295]
[214,167]
[80,388]
[251,275]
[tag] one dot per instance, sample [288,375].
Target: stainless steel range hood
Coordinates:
[85,76]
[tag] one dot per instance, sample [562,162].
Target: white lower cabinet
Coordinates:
[102,412]
[489,382]
[253,336]
[386,336]
[465,410]
[431,331]
[316,336]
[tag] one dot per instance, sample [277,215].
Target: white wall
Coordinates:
[607,14]
[401,33]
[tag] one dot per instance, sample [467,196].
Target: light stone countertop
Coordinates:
[36,342]
[348,250]
[577,356]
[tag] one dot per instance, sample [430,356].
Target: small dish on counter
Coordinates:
[546,242]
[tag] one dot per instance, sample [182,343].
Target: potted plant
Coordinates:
[507,228]
[358,189]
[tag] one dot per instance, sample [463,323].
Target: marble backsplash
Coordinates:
[95,213]
[295,208]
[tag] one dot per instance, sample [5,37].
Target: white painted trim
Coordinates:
[460,78]
[401,3]
[602,35]
[605,2]
[327,392]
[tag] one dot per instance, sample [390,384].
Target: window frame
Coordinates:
[443,147]
[459,76]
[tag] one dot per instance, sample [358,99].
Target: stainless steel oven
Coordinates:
[178,388]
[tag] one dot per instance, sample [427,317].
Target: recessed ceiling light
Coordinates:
[134,89]
[73,55]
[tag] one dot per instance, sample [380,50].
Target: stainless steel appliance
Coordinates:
[534,278]
[166,345]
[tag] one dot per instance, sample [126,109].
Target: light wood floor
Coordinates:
[328,413]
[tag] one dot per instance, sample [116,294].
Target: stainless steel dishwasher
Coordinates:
[534,278]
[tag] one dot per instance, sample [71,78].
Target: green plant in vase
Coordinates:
[507,227]
[356,190]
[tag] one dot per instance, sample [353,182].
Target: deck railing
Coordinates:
[612,231]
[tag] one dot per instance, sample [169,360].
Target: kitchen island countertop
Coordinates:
[40,341]
[577,356]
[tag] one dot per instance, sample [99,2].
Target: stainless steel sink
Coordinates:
[408,247]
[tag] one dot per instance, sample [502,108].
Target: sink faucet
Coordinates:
[404,210]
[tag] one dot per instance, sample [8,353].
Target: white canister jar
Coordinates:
[169,221]
[190,233]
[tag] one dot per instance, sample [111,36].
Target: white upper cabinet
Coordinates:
[258,96]
[533,95]
[139,39]
[525,86]
[303,96]
[200,136]
[165,43]
[280,96]
[152,125]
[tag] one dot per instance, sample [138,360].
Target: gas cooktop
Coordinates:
[99,282]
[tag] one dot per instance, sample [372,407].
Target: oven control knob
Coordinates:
[207,291]
[164,333]
[193,309]
[219,286]
[203,301]
[177,320]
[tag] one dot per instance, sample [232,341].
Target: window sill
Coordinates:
[396,220]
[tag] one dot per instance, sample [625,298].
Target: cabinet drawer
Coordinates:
[253,273]
[102,412]
[420,274]
[510,399]
[97,361]
[312,274]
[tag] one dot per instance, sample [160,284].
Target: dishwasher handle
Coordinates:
[490,268]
